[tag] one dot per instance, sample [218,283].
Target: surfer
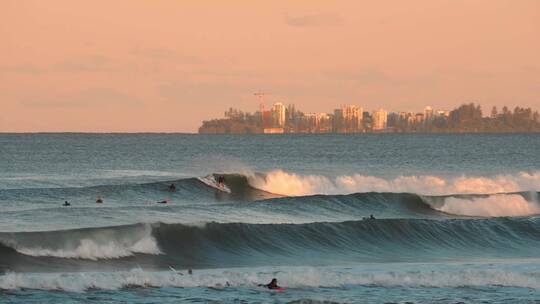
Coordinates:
[272,285]
[221,180]
[172,188]
[371,217]
[99,200]
[162,202]
[66,203]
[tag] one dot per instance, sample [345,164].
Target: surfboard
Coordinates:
[211,182]
[263,288]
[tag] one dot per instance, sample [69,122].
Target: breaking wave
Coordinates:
[291,184]
[91,244]
[212,245]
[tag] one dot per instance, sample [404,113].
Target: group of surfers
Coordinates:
[171,188]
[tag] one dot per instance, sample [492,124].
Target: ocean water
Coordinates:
[457,218]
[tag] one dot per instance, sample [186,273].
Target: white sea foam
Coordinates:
[491,206]
[93,247]
[285,183]
[89,249]
[291,277]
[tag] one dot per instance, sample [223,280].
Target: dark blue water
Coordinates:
[456,218]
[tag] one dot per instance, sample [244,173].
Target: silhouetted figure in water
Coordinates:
[190,272]
[172,188]
[221,180]
[371,217]
[162,202]
[272,285]
[99,200]
[66,203]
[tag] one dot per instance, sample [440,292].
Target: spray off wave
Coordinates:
[291,184]
[491,206]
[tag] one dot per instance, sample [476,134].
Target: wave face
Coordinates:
[159,245]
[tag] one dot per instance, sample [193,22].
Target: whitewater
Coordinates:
[457,218]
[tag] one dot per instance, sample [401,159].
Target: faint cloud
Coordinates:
[92,63]
[165,54]
[320,20]
[22,69]
[86,98]
[362,76]
[209,92]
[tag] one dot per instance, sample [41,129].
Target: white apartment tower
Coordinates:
[278,114]
[352,118]
[379,117]
[428,114]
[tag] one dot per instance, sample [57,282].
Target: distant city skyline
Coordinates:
[350,119]
[163,66]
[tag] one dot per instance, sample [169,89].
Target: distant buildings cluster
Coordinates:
[280,119]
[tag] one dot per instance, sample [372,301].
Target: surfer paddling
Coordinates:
[272,285]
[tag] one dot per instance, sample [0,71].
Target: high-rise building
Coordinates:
[291,114]
[428,114]
[266,117]
[278,114]
[352,118]
[379,117]
[338,120]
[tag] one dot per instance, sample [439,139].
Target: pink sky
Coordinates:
[164,66]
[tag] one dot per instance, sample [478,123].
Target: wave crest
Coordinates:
[490,206]
[291,184]
[91,245]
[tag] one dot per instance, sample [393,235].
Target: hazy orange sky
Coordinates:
[127,66]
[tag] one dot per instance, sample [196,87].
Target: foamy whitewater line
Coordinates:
[98,245]
[290,277]
[291,184]
[90,250]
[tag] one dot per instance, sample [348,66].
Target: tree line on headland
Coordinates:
[468,118]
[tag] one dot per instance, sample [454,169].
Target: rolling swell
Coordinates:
[215,245]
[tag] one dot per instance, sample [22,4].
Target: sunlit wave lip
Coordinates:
[292,184]
[497,205]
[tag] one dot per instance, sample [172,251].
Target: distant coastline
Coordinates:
[465,119]
[263,134]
